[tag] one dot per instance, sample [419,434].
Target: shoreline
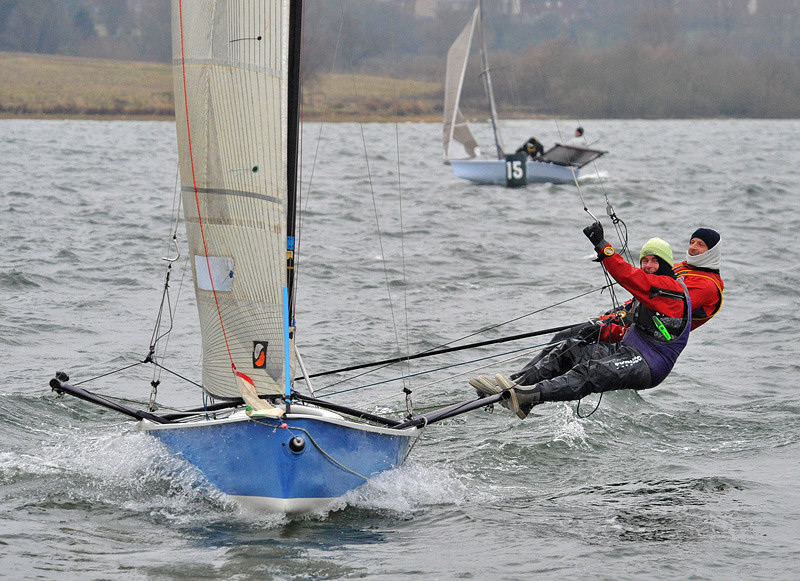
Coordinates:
[366,118]
[52,87]
[352,118]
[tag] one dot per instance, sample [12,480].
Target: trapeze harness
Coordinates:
[699,315]
[659,338]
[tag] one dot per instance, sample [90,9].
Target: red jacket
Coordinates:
[705,291]
[638,283]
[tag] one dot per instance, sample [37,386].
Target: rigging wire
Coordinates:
[380,238]
[609,283]
[314,158]
[379,233]
[158,336]
[165,297]
[392,310]
[619,226]
[400,203]
[517,353]
[480,331]
[543,81]
[126,367]
[336,54]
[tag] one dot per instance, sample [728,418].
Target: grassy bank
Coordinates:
[368,98]
[66,87]
[48,86]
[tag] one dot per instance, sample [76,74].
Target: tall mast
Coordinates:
[293,141]
[487,80]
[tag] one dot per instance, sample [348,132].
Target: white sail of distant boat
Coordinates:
[455,125]
[236,71]
[560,164]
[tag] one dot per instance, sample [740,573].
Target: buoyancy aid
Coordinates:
[702,313]
[656,325]
[659,338]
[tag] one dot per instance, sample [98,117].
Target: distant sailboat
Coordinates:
[237,86]
[560,164]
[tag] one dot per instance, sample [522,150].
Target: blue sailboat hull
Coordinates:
[257,462]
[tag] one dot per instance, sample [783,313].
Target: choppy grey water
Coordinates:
[695,479]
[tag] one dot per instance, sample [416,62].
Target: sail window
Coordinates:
[221,272]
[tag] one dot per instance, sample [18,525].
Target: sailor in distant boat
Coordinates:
[532,147]
[650,345]
[700,272]
[577,140]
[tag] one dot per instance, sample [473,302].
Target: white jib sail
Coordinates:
[455,125]
[230,69]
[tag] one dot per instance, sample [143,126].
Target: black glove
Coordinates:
[589,334]
[594,233]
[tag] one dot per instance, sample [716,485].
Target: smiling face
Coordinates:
[649,264]
[697,246]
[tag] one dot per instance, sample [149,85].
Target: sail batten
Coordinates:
[230,88]
[232,193]
[225,63]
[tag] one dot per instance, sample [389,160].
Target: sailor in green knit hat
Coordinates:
[655,256]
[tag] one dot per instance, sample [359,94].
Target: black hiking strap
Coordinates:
[666,293]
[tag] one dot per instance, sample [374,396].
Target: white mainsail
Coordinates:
[455,126]
[231,82]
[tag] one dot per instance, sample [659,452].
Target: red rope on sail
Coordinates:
[194,185]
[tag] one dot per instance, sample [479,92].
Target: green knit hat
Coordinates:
[657,247]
